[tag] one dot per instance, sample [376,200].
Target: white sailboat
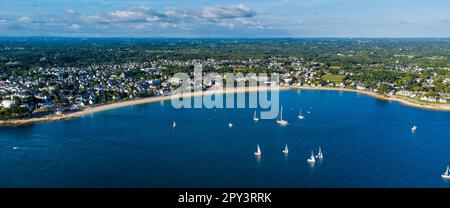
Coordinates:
[258,152]
[414,128]
[286,150]
[280,121]
[446,173]
[254,117]
[311,160]
[230,125]
[174,125]
[300,116]
[319,155]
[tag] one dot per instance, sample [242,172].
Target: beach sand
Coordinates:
[95,109]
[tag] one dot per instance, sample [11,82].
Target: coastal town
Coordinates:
[246,103]
[44,91]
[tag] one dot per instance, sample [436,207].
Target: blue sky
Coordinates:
[229,18]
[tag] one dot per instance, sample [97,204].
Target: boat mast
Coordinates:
[281,115]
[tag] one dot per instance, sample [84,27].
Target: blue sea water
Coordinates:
[366,143]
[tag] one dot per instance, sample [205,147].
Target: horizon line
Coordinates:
[206,37]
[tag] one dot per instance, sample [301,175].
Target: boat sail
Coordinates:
[300,116]
[311,159]
[258,152]
[446,174]
[414,128]
[286,150]
[319,155]
[254,117]
[230,125]
[280,121]
[174,125]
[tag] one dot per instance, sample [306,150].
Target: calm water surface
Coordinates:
[366,143]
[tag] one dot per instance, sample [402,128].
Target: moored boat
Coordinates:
[319,155]
[254,117]
[300,116]
[311,159]
[446,174]
[286,150]
[280,120]
[258,152]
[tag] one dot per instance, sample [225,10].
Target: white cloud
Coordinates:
[152,19]
[299,22]
[165,25]
[405,22]
[229,25]
[139,14]
[170,12]
[70,11]
[239,11]
[250,23]
[3,22]
[25,20]
[140,26]
[95,19]
[219,16]
[75,27]
[126,14]
[444,19]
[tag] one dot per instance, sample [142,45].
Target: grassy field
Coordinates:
[333,78]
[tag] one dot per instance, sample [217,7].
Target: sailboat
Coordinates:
[258,152]
[319,155]
[414,128]
[311,159]
[230,125]
[300,116]
[254,117]
[446,174]
[174,125]
[286,151]
[280,121]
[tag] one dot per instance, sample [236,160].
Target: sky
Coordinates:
[226,18]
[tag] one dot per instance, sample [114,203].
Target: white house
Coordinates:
[7,103]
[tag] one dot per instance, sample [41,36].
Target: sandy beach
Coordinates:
[95,109]
[402,100]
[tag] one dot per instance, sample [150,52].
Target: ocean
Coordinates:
[366,142]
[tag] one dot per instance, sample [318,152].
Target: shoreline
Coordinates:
[120,104]
[401,100]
